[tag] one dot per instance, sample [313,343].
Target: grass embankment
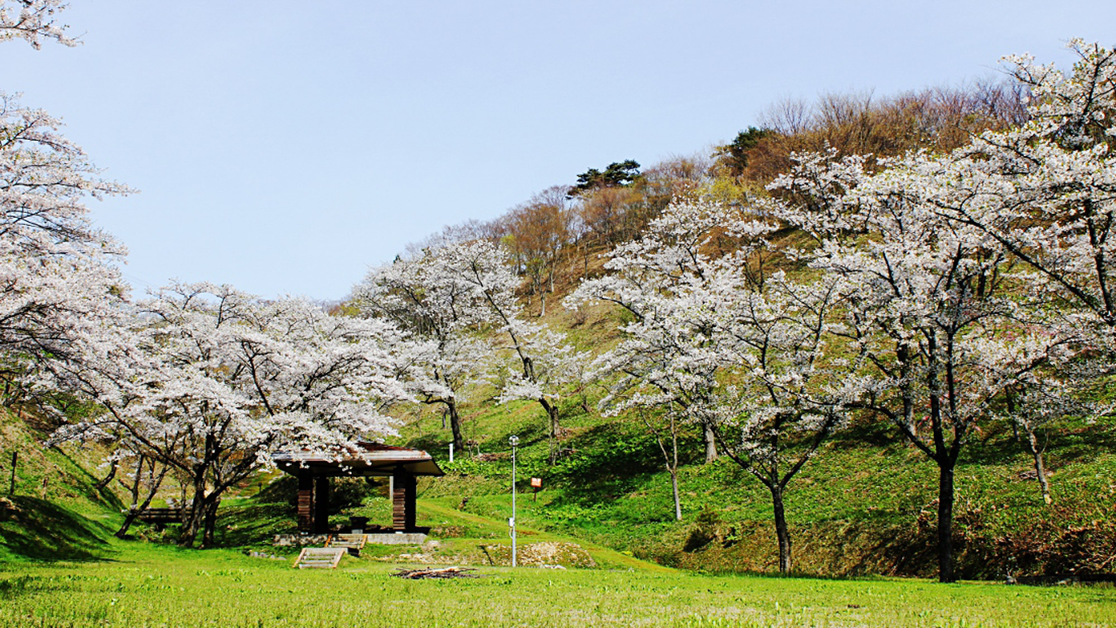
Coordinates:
[152,585]
[55,511]
[865,505]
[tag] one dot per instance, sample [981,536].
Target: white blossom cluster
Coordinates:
[458,301]
[32,21]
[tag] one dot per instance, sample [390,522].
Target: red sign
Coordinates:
[536,482]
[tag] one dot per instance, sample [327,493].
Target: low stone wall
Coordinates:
[299,540]
[395,538]
[381,538]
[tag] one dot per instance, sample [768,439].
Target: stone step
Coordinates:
[319,557]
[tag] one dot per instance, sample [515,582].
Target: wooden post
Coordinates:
[321,504]
[305,503]
[410,492]
[11,487]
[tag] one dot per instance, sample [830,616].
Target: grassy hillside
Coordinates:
[864,505]
[55,511]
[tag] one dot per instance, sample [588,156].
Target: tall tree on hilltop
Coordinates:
[733,157]
[617,174]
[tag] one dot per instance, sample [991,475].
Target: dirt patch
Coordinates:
[549,553]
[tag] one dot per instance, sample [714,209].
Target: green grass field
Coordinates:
[142,584]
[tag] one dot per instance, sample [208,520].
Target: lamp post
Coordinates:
[514,442]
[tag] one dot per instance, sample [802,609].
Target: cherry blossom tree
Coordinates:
[791,388]
[723,342]
[678,292]
[937,335]
[1045,192]
[439,311]
[225,380]
[61,294]
[541,361]
[58,274]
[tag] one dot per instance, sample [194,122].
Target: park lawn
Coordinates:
[143,584]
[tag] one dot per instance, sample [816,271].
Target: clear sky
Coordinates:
[286,147]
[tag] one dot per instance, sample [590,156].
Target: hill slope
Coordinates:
[55,511]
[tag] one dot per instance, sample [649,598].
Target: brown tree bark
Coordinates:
[781,530]
[1040,467]
[945,522]
[133,512]
[455,425]
[553,427]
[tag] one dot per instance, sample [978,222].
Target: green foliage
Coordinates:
[734,155]
[616,174]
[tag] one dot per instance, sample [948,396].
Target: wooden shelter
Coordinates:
[314,469]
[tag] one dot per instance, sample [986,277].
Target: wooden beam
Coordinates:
[403,502]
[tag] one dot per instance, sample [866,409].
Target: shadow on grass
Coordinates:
[39,530]
[254,524]
[607,460]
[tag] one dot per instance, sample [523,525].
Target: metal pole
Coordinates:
[514,440]
[451,452]
[513,506]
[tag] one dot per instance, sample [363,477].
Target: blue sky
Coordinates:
[287,147]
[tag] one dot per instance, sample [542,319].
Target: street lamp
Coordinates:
[514,442]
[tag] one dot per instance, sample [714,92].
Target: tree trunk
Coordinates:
[213,501]
[1030,444]
[945,521]
[1040,468]
[555,426]
[710,443]
[195,517]
[135,510]
[677,496]
[781,531]
[455,425]
[104,482]
[137,481]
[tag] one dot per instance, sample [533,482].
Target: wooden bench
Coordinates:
[160,516]
[319,558]
[351,542]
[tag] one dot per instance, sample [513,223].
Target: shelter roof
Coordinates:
[366,459]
